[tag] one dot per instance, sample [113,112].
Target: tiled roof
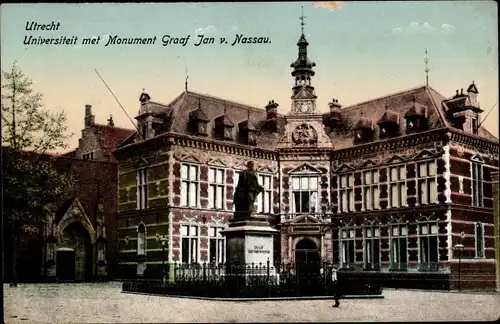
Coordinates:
[372,111]
[113,135]
[214,107]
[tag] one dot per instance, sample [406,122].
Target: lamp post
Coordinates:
[163,239]
[459,248]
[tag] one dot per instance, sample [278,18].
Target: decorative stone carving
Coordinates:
[304,135]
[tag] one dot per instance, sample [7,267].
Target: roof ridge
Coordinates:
[175,114]
[382,97]
[438,108]
[115,127]
[226,100]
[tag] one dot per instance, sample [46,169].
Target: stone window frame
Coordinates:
[190,181]
[347,241]
[430,231]
[220,243]
[260,202]
[311,191]
[479,253]
[400,184]
[432,196]
[142,188]
[214,185]
[348,189]
[190,224]
[477,183]
[372,188]
[372,232]
[395,239]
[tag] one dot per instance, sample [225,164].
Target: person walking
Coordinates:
[336,287]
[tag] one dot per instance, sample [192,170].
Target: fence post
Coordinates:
[204,272]
[267,281]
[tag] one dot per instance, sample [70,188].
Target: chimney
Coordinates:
[89,118]
[110,121]
[334,110]
[462,91]
[271,115]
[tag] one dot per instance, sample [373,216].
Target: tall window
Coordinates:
[372,247]
[397,186]
[189,243]
[347,237]
[141,239]
[479,236]
[189,187]
[216,188]
[346,192]
[427,185]
[305,194]
[263,200]
[142,188]
[236,179]
[217,247]
[399,247]
[370,190]
[429,248]
[477,183]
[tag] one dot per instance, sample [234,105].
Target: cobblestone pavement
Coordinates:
[104,303]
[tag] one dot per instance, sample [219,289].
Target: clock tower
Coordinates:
[304,126]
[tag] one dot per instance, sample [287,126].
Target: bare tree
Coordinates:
[31,183]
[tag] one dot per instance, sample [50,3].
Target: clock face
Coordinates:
[227,132]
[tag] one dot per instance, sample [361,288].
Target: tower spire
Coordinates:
[186,83]
[426,60]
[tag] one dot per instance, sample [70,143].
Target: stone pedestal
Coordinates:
[249,248]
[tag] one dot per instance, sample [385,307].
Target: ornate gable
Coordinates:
[477,157]
[305,219]
[395,159]
[306,169]
[368,164]
[304,94]
[345,168]
[76,213]
[424,154]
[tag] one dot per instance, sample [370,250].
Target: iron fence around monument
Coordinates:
[252,281]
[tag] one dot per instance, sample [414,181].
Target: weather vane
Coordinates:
[302,23]
[426,60]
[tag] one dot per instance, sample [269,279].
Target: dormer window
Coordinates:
[363,130]
[389,123]
[224,127]
[416,118]
[198,123]
[247,132]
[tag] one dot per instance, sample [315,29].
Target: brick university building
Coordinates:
[384,188]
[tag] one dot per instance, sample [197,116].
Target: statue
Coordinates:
[247,190]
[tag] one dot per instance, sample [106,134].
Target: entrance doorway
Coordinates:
[65,264]
[307,267]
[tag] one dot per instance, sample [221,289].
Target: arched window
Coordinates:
[141,239]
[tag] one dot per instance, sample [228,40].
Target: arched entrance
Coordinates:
[307,266]
[307,259]
[74,254]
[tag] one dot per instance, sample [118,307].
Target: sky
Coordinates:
[362,50]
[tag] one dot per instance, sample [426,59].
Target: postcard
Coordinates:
[250,162]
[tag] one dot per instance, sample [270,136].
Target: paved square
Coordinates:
[104,303]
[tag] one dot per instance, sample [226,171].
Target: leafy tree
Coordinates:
[32,186]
